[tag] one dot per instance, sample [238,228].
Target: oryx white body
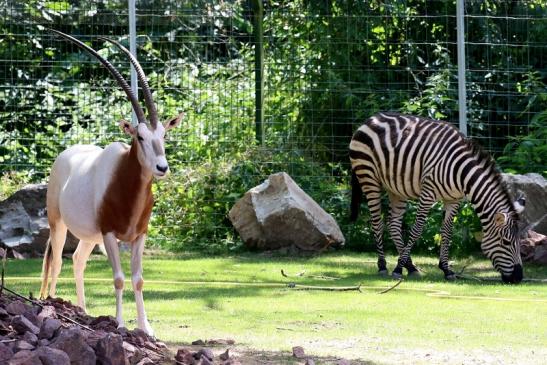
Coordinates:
[79,178]
[105,196]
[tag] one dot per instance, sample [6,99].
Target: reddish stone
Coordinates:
[298,352]
[51,356]
[21,324]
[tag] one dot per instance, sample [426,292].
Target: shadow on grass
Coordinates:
[350,268]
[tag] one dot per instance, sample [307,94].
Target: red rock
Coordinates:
[30,338]
[5,353]
[21,324]
[133,354]
[198,343]
[51,356]
[49,327]
[48,311]
[185,356]
[220,341]
[17,307]
[25,357]
[72,341]
[208,353]
[225,355]
[110,350]
[205,361]
[146,361]
[22,345]
[298,352]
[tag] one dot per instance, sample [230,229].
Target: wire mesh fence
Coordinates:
[328,65]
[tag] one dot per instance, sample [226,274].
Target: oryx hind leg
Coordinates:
[53,257]
[79,259]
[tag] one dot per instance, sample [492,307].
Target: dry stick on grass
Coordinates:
[392,287]
[301,274]
[326,288]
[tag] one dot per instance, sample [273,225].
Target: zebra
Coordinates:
[411,157]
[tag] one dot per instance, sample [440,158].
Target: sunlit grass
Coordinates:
[245,298]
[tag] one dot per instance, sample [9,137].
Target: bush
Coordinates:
[528,153]
[192,209]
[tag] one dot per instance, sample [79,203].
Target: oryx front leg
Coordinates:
[137,249]
[79,259]
[113,252]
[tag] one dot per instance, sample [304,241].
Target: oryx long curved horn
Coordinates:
[119,78]
[149,101]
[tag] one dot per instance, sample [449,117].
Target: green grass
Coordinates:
[245,298]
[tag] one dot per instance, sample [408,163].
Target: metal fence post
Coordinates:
[462,97]
[258,15]
[133,50]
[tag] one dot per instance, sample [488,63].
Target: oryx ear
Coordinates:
[173,122]
[500,219]
[127,127]
[519,204]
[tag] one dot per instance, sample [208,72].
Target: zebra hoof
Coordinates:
[415,274]
[396,275]
[450,277]
[383,272]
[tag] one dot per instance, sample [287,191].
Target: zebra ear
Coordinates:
[500,219]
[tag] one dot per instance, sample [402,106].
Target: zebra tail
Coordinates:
[356,197]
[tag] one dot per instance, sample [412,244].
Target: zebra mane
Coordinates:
[488,163]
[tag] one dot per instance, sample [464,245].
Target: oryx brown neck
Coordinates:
[127,203]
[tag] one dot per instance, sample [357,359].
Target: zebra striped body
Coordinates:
[416,158]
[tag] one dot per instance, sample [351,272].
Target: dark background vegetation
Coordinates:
[328,66]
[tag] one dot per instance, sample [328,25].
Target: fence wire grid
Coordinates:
[328,65]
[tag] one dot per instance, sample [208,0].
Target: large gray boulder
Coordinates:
[534,188]
[278,213]
[23,221]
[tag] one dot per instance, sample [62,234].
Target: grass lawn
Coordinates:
[245,298]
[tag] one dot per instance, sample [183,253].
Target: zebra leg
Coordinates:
[373,194]
[450,211]
[397,208]
[426,202]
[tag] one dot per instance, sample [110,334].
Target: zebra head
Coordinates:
[501,243]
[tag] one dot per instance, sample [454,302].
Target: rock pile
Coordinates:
[30,334]
[205,356]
